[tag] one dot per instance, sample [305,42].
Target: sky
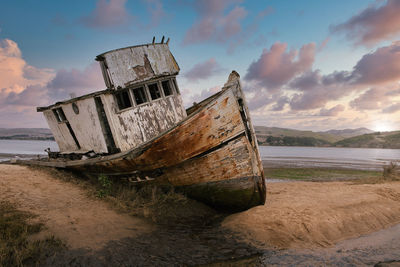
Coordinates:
[308,65]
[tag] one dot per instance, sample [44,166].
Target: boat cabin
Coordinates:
[142,100]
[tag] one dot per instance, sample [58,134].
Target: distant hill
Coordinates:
[26,134]
[373,140]
[263,132]
[266,136]
[346,133]
[360,137]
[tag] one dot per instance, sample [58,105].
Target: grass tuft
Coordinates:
[16,247]
[159,203]
[391,172]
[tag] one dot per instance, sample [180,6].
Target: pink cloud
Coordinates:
[260,100]
[15,73]
[392,109]
[373,24]
[379,67]
[107,14]
[213,22]
[332,111]
[76,81]
[374,98]
[323,44]
[24,87]
[276,66]
[203,70]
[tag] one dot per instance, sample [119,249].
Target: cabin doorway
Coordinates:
[105,127]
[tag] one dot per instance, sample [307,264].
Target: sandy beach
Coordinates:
[298,216]
[318,214]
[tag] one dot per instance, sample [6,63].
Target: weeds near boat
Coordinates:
[161,204]
[106,186]
[16,246]
[391,172]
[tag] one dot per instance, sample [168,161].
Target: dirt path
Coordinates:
[298,216]
[66,210]
[313,214]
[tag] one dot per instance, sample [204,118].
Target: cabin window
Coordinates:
[166,87]
[154,91]
[59,114]
[139,95]
[176,86]
[123,99]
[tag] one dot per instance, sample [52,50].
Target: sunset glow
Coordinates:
[311,65]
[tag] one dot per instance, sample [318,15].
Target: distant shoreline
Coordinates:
[27,138]
[332,146]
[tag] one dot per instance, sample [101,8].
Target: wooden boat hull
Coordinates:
[212,155]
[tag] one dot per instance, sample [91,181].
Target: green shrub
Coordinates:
[105,186]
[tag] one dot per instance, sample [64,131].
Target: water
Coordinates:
[25,147]
[328,157]
[272,156]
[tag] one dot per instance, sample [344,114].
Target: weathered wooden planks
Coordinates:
[212,154]
[139,63]
[217,122]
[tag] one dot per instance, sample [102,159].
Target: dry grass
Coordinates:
[391,172]
[16,245]
[159,203]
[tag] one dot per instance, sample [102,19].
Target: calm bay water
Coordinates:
[272,156]
[25,147]
[355,158]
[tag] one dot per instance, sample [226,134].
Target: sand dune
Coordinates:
[311,214]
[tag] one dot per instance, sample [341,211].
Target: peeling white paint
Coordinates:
[128,65]
[129,127]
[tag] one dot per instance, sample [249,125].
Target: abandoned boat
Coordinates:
[138,128]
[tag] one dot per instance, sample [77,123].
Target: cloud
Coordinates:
[373,24]
[392,109]
[307,81]
[15,73]
[190,99]
[261,99]
[214,23]
[276,66]
[374,98]
[280,103]
[371,85]
[332,111]
[76,81]
[379,67]
[24,87]
[203,70]
[108,14]
[323,44]
[33,95]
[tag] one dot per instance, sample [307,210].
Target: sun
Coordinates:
[382,127]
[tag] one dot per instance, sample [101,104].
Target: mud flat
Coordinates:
[302,223]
